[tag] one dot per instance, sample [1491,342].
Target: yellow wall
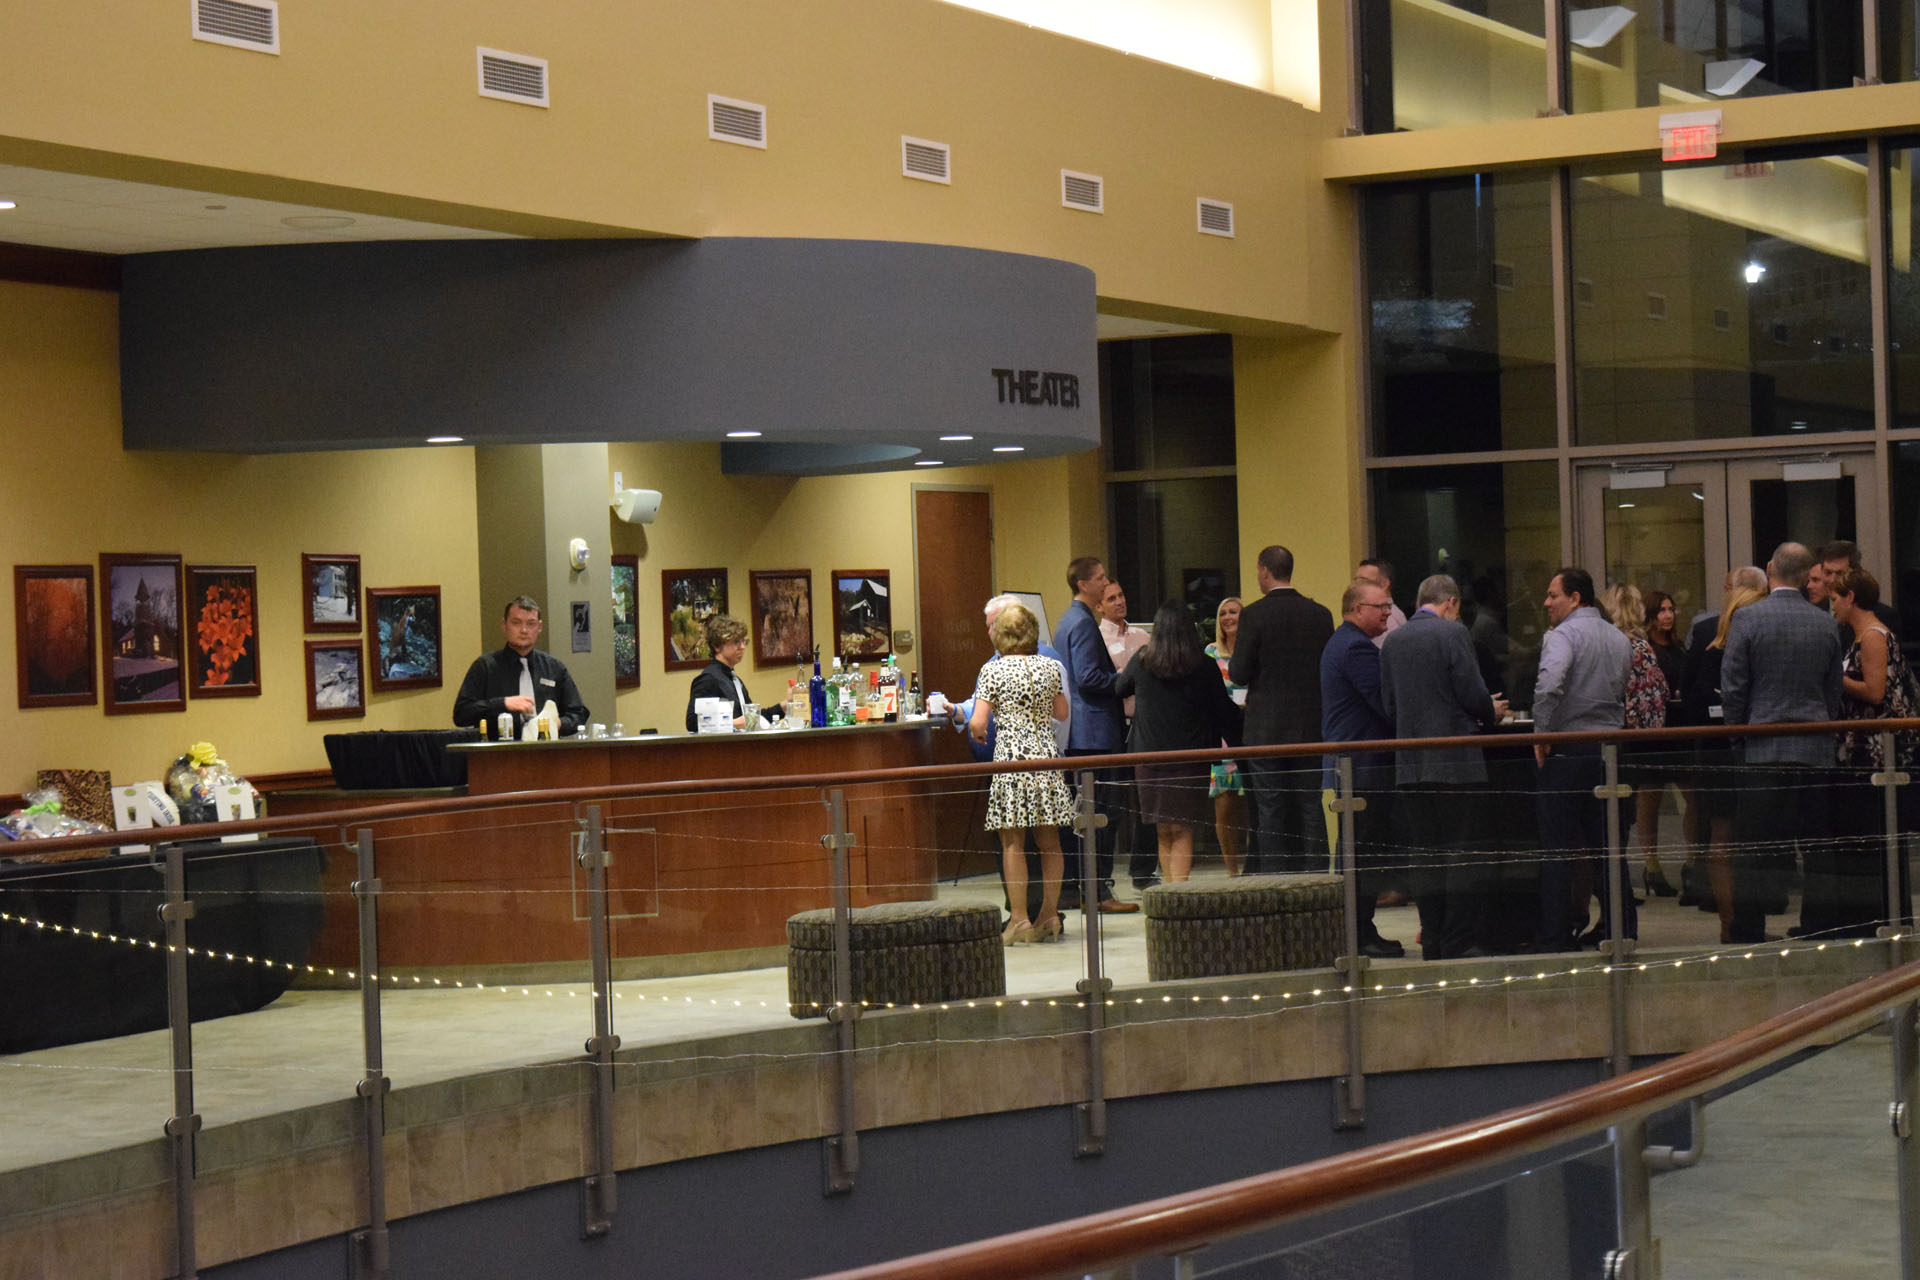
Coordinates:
[73,493]
[1298,466]
[741,523]
[411,516]
[623,150]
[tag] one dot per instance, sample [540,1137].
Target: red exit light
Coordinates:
[1690,142]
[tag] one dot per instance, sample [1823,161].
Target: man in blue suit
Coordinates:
[1782,666]
[1351,710]
[1097,722]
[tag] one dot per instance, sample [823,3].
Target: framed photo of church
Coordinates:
[142,659]
[223,631]
[862,614]
[403,636]
[53,634]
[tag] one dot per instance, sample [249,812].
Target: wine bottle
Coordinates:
[817,696]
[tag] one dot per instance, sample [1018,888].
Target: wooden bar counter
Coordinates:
[700,881]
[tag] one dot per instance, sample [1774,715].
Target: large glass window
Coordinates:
[1461,295]
[1495,527]
[1904,582]
[1429,63]
[1167,406]
[1658,53]
[1722,301]
[1903,290]
[1168,402]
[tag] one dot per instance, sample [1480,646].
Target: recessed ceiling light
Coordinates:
[956,437]
[929,462]
[741,435]
[317,221]
[8,204]
[445,439]
[217,208]
[1009,448]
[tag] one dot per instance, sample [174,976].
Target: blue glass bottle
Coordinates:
[817,696]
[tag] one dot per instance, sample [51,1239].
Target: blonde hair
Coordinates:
[1622,605]
[1015,630]
[1737,599]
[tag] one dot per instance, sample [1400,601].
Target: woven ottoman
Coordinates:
[903,953]
[1252,924]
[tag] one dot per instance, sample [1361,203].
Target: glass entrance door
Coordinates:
[1681,525]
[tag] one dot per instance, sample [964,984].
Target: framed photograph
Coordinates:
[331,585]
[223,631]
[53,634]
[336,680]
[403,627]
[626,622]
[689,598]
[140,617]
[581,633]
[782,616]
[862,614]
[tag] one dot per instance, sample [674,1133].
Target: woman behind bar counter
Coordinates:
[727,639]
[1022,693]
[1179,705]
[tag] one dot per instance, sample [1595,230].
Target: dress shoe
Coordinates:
[1115,907]
[1143,883]
[1382,949]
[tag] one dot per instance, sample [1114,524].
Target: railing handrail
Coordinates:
[396,809]
[1180,1223]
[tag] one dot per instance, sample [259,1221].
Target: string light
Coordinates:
[821,1008]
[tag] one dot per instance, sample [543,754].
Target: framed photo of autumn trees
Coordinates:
[223,631]
[53,634]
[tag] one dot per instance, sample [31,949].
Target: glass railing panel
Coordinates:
[83,1008]
[1551,1215]
[1796,1175]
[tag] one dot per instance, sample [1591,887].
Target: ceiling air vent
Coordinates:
[513,77]
[731,120]
[928,161]
[1083,191]
[1216,218]
[244,24]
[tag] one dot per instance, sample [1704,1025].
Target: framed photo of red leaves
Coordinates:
[223,631]
[53,634]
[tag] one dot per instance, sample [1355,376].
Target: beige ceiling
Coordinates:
[102,215]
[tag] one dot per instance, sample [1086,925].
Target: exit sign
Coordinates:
[1689,135]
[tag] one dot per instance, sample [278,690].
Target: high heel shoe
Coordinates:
[1048,930]
[1657,883]
[1018,933]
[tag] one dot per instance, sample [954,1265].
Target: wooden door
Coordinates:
[953,578]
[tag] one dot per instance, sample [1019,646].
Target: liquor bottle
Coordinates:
[916,704]
[890,693]
[843,695]
[817,696]
[874,710]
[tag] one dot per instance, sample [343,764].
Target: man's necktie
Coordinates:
[526,679]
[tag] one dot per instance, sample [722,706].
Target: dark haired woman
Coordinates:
[1875,686]
[1670,654]
[1179,705]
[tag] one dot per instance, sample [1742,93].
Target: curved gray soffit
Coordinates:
[846,355]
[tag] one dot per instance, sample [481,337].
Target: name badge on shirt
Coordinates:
[546,682]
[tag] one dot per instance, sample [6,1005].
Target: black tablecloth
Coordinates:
[259,898]
[409,759]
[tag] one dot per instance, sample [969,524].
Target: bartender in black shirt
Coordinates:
[727,640]
[518,678]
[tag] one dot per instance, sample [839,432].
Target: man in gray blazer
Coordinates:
[1782,666]
[1430,685]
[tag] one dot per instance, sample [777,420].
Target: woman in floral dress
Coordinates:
[1024,694]
[1874,686]
[1226,786]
